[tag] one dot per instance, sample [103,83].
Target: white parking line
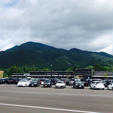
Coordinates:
[46,108]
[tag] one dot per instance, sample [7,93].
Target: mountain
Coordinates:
[41,55]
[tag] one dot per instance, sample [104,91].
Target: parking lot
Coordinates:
[50,100]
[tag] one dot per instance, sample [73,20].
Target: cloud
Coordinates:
[61,23]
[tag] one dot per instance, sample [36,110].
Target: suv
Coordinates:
[47,83]
[34,82]
[23,82]
[60,84]
[97,85]
[78,84]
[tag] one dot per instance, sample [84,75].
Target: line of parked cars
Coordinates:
[35,82]
[10,80]
[102,84]
[59,83]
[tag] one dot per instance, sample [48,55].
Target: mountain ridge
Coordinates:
[42,55]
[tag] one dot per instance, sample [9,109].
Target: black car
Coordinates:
[86,82]
[68,82]
[106,82]
[47,83]
[54,80]
[78,84]
[71,81]
[35,82]
[2,81]
[12,80]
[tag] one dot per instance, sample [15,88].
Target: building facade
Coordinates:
[83,73]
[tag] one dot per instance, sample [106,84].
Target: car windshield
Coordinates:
[34,80]
[23,80]
[42,79]
[78,82]
[71,79]
[47,81]
[96,81]
[60,82]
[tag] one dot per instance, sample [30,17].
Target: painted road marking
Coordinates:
[45,108]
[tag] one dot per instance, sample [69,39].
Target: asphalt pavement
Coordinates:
[50,100]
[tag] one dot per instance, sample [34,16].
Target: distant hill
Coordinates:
[42,55]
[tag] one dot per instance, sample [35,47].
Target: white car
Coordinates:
[23,83]
[60,84]
[97,85]
[110,86]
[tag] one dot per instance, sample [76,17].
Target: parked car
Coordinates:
[42,81]
[68,82]
[106,82]
[60,84]
[86,82]
[2,80]
[24,82]
[63,79]
[35,82]
[54,80]
[11,80]
[78,84]
[97,85]
[110,86]
[71,81]
[47,83]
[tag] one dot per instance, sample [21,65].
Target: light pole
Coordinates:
[51,69]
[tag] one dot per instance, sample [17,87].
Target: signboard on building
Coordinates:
[1,74]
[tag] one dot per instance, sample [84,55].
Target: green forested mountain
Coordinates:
[43,56]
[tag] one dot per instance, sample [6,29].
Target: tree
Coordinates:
[73,68]
[106,74]
[99,67]
[13,69]
[90,67]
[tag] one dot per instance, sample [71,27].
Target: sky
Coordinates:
[82,24]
